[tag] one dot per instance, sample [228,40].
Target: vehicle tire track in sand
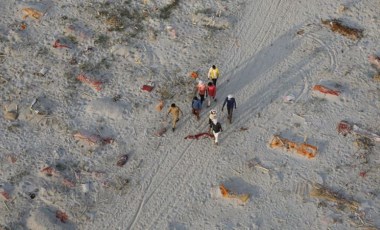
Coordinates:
[147,197]
[331,52]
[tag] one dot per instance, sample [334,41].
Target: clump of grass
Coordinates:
[167,10]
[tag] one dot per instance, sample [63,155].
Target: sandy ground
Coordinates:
[83,152]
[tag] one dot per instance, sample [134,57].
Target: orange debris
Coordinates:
[97,85]
[303,149]
[325,90]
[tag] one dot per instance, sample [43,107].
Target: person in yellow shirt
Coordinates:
[174,111]
[213,74]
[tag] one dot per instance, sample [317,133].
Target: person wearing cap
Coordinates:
[216,130]
[231,104]
[211,92]
[202,90]
[213,74]
[196,106]
[211,117]
[174,111]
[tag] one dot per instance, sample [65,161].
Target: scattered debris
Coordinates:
[160,105]
[199,135]
[58,44]
[303,149]
[97,85]
[325,90]
[171,32]
[122,160]
[243,198]
[11,115]
[336,26]
[376,77]
[68,183]
[93,139]
[149,86]
[374,60]
[289,98]
[50,171]
[62,216]
[194,75]
[344,128]
[160,132]
[254,163]
[11,158]
[319,191]
[5,196]
[30,12]
[300,32]
[341,8]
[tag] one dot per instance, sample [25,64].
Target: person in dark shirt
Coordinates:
[196,106]
[231,104]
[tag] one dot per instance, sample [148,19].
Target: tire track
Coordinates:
[331,52]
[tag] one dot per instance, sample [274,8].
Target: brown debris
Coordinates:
[319,191]
[30,12]
[336,26]
[62,216]
[122,160]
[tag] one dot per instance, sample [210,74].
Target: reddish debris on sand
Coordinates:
[363,174]
[5,195]
[68,183]
[375,60]
[199,135]
[344,128]
[49,171]
[62,216]
[147,88]
[58,44]
[93,139]
[194,75]
[11,159]
[122,160]
[97,85]
[325,90]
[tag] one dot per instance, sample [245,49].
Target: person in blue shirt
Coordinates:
[196,106]
[231,104]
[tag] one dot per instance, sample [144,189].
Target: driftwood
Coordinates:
[326,90]
[336,26]
[199,135]
[318,191]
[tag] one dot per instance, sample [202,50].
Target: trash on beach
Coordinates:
[11,114]
[11,158]
[95,84]
[62,216]
[376,77]
[199,135]
[318,191]
[194,75]
[325,90]
[336,26]
[49,171]
[303,149]
[289,98]
[33,13]
[254,163]
[160,106]
[68,183]
[160,132]
[374,60]
[85,187]
[148,87]
[5,196]
[58,44]
[122,160]
[345,128]
[92,139]
[171,32]
[243,198]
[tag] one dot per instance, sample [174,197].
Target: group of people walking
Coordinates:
[208,92]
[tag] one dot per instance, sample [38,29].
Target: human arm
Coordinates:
[224,103]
